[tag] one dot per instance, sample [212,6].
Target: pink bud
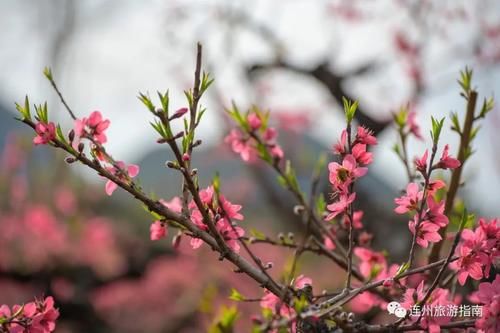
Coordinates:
[186,157]
[179,113]
[388,283]
[254,121]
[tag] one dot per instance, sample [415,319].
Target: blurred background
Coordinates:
[61,235]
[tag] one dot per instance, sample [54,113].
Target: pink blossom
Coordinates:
[468,264]
[231,211]
[45,133]
[372,263]
[364,302]
[241,146]
[412,125]
[340,147]
[409,201]
[301,281]
[427,232]
[435,212]
[434,186]
[491,230]
[44,321]
[158,230]
[272,302]
[122,172]
[270,134]
[174,205]
[277,152]
[361,155]
[206,195]
[439,298]
[341,205]
[365,136]
[231,234]
[357,216]
[343,175]
[93,126]
[328,243]
[421,163]
[254,121]
[447,162]
[489,295]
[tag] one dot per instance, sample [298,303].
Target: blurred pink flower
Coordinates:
[158,230]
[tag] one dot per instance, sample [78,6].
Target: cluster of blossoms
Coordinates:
[439,298]
[275,306]
[342,176]
[428,212]
[92,128]
[222,211]
[256,132]
[478,250]
[489,296]
[34,317]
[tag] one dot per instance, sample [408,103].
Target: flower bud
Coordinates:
[388,283]
[172,165]
[186,157]
[80,147]
[70,160]
[196,143]
[179,113]
[71,135]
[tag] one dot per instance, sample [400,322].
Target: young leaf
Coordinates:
[236,296]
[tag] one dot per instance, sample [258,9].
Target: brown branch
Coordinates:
[457,173]
[155,206]
[332,81]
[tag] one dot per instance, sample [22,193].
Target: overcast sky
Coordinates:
[117,48]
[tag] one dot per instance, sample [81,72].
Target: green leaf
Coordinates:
[257,234]
[488,105]
[60,135]
[147,102]
[401,116]
[465,80]
[320,204]
[225,320]
[437,126]
[216,183]
[24,111]
[164,100]
[350,108]
[403,268]
[189,97]
[455,123]
[206,81]
[48,73]
[301,303]
[236,296]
